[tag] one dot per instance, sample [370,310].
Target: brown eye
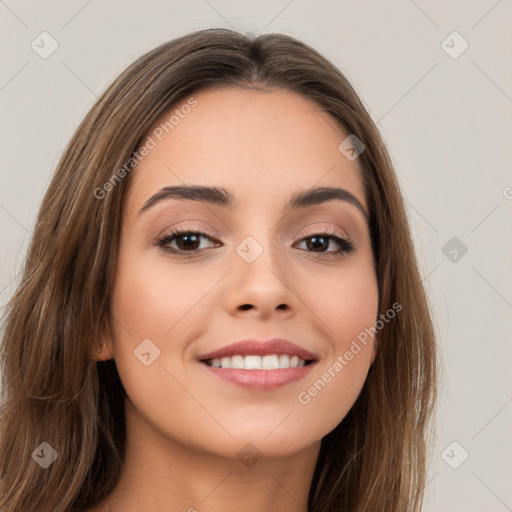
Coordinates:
[186,241]
[320,243]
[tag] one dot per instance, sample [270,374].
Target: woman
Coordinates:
[221,307]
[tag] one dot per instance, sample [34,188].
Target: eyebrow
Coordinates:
[222,197]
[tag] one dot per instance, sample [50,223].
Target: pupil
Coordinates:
[315,244]
[190,241]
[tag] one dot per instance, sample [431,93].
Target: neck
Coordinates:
[160,474]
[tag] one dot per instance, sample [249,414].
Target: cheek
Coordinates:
[154,302]
[355,310]
[151,299]
[152,305]
[345,302]
[354,339]
[348,312]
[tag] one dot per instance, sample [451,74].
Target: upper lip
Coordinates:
[260,348]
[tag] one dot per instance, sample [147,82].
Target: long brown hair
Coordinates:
[53,389]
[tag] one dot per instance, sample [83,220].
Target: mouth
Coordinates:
[260,365]
[259,373]
[270,362]
[259,354]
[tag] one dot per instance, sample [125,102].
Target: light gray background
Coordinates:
[447,123]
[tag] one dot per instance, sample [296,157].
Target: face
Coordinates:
[255,268]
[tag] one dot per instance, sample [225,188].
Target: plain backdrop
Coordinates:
[436,77]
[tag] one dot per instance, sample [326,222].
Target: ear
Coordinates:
[105,345]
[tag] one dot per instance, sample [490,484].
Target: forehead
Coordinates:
[262,145]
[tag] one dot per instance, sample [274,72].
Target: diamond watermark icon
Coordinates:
[249,249]
[44,45]
[351,147]
[454,45]
[454,455]
[249,454]
[454,249]
[44,455]
[146,352]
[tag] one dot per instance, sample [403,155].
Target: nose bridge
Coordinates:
[260,256]
[259,276]
[257,230]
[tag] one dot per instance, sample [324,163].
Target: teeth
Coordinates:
[234,362]
[269,362]
[284,361]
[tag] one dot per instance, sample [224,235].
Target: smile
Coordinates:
[253,372]
[255,362]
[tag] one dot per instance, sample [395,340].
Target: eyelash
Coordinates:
[346,245]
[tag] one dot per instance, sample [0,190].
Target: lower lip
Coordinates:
[261,379]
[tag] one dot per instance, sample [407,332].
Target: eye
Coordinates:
[186,239]
[316,241]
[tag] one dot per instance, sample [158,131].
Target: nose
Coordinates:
[261,287]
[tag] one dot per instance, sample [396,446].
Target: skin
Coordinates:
[184,425]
